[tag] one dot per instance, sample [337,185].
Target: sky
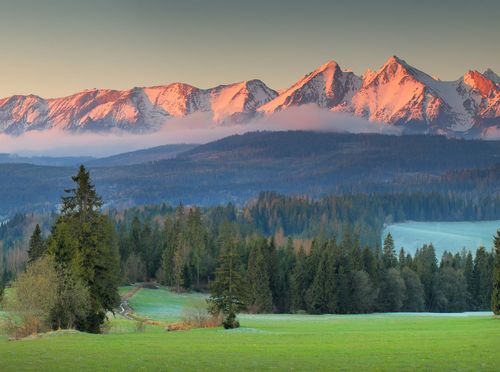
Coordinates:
[54,48]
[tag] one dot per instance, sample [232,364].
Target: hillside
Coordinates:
[237,168]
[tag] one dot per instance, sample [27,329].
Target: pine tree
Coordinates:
[178,270]
[469,279]
[482,275]
[298,282]
[260,296]
[84,241]
[425,263]
[495,298]
[197,242]
[36,246]
[389,253]
[228,289]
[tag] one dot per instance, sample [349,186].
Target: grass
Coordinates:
[450,236]
[161,304]
[267,342]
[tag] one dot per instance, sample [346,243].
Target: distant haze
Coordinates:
[445,236]
[196,128]
[53,48]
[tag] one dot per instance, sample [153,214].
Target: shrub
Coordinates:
[34,295]
[45,297]
[196,315]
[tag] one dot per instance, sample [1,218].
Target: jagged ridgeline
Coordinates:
[397,95]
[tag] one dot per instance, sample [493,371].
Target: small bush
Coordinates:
[196,315]
[230,322]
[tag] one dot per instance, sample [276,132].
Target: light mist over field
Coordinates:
[445,236]
[195,128]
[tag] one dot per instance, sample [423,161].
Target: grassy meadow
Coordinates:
[450,236]
[264,342]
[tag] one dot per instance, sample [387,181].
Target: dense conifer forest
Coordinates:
[295,254]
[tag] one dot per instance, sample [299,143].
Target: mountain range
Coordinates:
[396,94]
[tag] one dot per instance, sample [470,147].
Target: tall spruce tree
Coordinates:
[84,241]
[37,245]
[260,296]
[495,298]
[298,282]
[227,291]
[482,274]
[389,253]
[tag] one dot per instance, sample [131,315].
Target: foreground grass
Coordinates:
[274,342]
[277,342]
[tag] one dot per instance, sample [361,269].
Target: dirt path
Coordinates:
[125,308]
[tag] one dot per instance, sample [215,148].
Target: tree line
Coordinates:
[188,248]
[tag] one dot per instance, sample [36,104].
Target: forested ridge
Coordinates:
[237,168]
[295,253]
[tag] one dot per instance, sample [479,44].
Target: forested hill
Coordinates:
[359,151]
[237,168]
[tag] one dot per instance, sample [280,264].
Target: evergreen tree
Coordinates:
[322,296]
[469,279]
[364,294]
[414,298]
[36,245]
[84,241]
[482,279]
[298,282]
[392,291]
[425,263]
[450,291]
[260,297]
[389,252]
[402,258]
[286,263]
[227,291]
[495,298]
[167,257]
[272,264]
[197,243]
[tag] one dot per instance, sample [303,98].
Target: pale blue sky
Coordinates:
[57,47]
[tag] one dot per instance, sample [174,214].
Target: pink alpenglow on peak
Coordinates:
[396,94]
[327,86]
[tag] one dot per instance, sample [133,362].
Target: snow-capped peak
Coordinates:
[396,94]
[490,74]
[327,86]
[479,82]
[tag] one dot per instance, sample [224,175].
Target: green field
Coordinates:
[161,304]
[266,342]
[450,236]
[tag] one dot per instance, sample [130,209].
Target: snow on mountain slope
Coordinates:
[490,74]
[25,111]
[137,109]
[396,94]
[239,100]
[327,86]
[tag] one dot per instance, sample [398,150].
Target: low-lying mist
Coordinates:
[196,128]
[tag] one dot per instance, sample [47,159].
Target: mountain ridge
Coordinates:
[395,94]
